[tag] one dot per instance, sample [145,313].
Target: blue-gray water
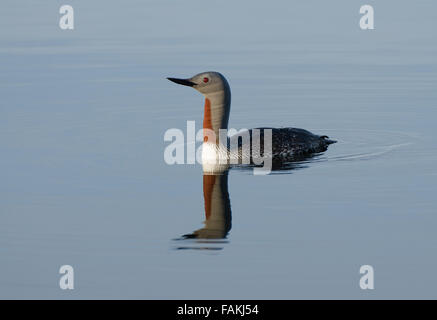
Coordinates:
[83,180]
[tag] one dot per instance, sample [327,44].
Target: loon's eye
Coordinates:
[205,80]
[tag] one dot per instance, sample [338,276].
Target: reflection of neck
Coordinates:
[217,206]
[208,187]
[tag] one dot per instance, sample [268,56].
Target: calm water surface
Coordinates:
[83,180]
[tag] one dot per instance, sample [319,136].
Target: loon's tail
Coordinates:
[327,140]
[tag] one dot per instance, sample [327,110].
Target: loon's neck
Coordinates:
[216,114]
[216,117]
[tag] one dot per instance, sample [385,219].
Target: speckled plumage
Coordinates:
[291,144]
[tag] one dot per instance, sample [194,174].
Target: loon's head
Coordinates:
[207,83]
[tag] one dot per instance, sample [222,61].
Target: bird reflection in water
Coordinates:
[218,217]
[217,205]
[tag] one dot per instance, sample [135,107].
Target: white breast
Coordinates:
[214,157]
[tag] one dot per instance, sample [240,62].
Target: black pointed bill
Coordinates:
[184,82]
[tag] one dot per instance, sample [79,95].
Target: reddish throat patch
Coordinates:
[207,124]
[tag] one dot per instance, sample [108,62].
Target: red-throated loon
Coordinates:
[287,144]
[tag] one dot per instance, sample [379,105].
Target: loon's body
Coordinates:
[287,144]
[291,144]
